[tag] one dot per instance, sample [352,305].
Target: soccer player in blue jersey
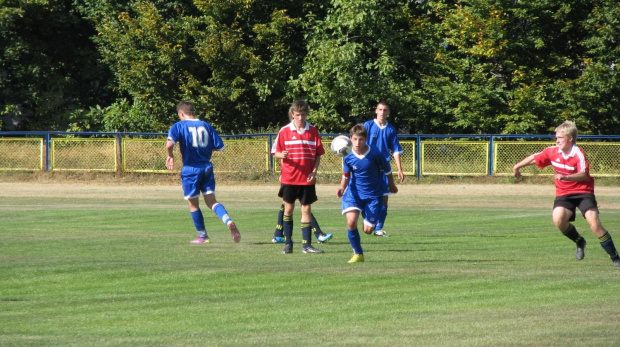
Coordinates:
[361,188]
[384,136]
[197,140]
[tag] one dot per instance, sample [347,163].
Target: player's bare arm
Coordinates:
[576,177]
[343,185]
[312,176]
[399,167]
[525,162]
[170,158]
[281,155]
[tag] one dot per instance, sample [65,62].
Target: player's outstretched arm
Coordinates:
[525,162]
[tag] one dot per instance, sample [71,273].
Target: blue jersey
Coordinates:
[383,137]
[197,140]
[366,173]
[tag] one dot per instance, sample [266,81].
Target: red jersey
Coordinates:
[572,163]
[303,147]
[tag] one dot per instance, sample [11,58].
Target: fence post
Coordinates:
[491,148]
[418,157]
[119,154]
[48,143]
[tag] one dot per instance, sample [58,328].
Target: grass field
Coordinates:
[467,265]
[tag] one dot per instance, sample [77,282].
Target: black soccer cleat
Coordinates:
[580,251]
[288,248]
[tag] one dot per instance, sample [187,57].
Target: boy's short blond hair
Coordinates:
[568,128]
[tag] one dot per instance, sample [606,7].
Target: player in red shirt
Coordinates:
[574,188]
[299,147]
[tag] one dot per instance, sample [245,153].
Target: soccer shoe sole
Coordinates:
[234,232]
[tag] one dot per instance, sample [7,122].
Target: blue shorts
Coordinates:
[370,208]
[195,180]
[386,186]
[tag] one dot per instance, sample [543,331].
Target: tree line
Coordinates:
[479,66]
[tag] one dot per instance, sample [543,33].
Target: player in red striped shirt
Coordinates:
[299,147]
[574,188]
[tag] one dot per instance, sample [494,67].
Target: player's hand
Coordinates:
[394,189]
[311,178]
[170,163]
[401,176]
[284,154]
[339,192]
[516,173]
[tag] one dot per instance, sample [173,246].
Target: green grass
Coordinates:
[82,265]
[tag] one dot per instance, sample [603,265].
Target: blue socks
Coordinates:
[287,229]
[199,223]
[316,229]
[356,242]
[381,218]
[305,234]
[221,213]
[608,245]
[279,226]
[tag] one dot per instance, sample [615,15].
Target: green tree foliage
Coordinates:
[358,54]
[49,67]
[231,58]
[445,66]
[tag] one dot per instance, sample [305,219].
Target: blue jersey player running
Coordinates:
[384,136]
[197,140]
[361,187]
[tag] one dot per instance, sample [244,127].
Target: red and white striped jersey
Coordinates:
[303,146]
[572,163]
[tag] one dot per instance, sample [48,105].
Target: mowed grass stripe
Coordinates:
[93,273]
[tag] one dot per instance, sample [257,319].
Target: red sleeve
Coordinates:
[279,145]
[319,145]
[542,158]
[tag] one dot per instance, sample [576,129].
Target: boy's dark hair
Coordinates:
[359,130]
[186,106]
[385,103]
[299,106]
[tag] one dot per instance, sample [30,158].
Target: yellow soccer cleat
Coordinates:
[357,258]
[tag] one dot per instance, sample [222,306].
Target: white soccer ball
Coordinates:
[341,145]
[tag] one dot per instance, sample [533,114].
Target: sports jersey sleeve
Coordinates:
[319,145]
[173,133]
[217,142]
[542,158]
[274,145]
[396,147]
[384,165]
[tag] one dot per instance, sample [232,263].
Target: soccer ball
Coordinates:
[341,145]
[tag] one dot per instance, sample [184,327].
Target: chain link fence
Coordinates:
[112,152]
[22,154]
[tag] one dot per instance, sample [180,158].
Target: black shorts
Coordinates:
[584,202]
[290,193]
